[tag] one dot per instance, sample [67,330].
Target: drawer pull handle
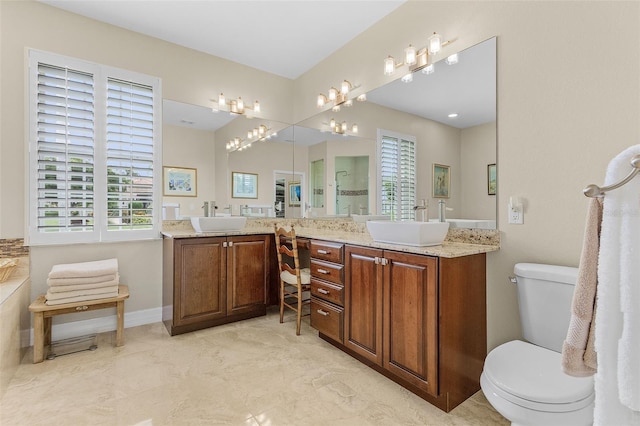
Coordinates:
[82,308]
[322,291]
[323,252]
[322,271]
[321,312]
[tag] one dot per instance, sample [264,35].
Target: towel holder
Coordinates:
[596,191]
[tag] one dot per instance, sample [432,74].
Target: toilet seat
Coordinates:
[532,377]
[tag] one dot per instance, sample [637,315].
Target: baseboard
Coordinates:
[95,325]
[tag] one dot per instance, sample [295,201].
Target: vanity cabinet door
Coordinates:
[200,280]
[363,302]
[247,273]
[411,319]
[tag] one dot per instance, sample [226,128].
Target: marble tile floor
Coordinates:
[254,372]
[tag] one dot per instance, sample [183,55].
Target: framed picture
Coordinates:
[441,181]
[492,182]
[180,182]
[244,185]
[294,194]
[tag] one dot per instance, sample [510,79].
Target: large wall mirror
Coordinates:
[465,144]
[312,170]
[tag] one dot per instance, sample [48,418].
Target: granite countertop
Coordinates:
[459,242]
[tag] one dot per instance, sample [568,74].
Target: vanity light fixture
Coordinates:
[338,97]
[260,133]
[416,59]
[342,128]
[234,106]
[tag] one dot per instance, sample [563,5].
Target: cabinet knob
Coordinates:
[82,308]
[322,291]
[322,271]
[321,312]
[323,252]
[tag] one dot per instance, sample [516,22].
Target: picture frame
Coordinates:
[295,193]
[179,181]
[441,181]
[244,185]
[492,179]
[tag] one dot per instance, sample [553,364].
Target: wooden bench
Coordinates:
[42,314]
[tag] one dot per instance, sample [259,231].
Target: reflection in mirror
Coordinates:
[352,184]
[316,183]
[196,137]
[420,110]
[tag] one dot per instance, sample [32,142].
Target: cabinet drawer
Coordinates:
[331,252]
[327,271]
[327,319]
[329,292]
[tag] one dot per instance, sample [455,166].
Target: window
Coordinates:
[396,175]
[94,152]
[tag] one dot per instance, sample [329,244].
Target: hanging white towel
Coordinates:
[617,328]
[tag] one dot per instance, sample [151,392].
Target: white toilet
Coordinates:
[524,381]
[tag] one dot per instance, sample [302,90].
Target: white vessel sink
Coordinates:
[218,223]
[408,233]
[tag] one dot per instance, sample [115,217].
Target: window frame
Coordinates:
[101,75]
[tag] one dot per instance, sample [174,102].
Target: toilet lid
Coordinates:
[535,374]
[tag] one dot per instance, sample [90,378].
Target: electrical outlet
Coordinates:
[515,214]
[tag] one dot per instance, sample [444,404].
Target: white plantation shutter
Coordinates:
[94,152]
[130,156]
[397,175]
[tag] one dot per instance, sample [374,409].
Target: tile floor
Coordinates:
[254,372]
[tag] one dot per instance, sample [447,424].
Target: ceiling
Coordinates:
[281,37]
[285,38]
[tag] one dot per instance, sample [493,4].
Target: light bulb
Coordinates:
[348,103]
[240,104]
[435,43]
[362,97]
[256,106]
[336,108]
[321,100]
[344,126]
[346,86]
[407,78]
[221,100]
[249,134]
[333,93]
[452,59]
[389,65]
[429,69]
[354,128]
[332,123]
[410,55]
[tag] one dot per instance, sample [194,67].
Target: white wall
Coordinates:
[477,151]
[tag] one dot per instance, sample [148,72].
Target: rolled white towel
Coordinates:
[85,269]
[100,279]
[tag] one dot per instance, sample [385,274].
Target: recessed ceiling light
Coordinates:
[453,115]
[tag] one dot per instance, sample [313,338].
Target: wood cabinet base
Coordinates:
[180,329]
[445,401]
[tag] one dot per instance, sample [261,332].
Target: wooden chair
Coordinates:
[295,282]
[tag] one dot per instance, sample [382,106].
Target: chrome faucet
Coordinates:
[423,208]
[213,208]
[442,211]
[206,209]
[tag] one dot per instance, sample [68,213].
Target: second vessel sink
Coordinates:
[218,223]
[408,233]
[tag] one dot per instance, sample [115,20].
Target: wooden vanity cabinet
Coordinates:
[417,319]
[209,281]
[327,288]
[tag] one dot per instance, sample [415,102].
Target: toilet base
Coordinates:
[522,416]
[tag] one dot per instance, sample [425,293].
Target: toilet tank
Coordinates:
[544,298]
